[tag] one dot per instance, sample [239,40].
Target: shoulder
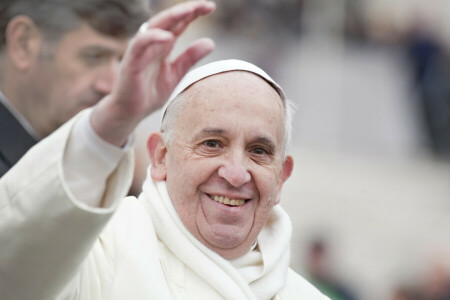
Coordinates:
[298,287]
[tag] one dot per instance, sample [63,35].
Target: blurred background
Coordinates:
[370,193]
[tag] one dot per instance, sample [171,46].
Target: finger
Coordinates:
[181,26]
[147,46]
[172,17]
[192,55]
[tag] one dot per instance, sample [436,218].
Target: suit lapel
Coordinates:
[14,140]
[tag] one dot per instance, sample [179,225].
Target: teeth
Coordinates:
[228,201]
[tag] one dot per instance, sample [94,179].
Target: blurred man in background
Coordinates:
[321,273]
[57,57]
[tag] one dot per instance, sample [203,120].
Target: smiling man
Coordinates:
[207,224]
[233,156]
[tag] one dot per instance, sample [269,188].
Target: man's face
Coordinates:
[74,74]
[228,147]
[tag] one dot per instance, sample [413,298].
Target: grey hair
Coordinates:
[116,18]
[174,109]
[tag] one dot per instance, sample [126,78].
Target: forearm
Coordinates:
[88,162]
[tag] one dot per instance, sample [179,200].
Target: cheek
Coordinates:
[184,177]
[75,79]
[64,95]
[184,173]
[267,181]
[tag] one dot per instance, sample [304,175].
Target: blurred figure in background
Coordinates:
[436,283]
[433,284]
[260,17]
[57,58]
[404,293]
[320,273]
[430,63]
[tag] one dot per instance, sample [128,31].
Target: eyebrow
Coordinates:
[205,132]
[208,132]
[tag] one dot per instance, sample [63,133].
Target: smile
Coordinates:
[228,201]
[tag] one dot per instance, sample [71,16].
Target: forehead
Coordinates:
[236,100]
[84,36]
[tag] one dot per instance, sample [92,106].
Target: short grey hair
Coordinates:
[115,18]
[174,109]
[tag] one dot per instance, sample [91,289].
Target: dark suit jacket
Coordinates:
[14,140]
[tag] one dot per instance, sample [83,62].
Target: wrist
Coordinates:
[111,123]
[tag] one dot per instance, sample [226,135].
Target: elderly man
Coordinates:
[57,57]
[206,225]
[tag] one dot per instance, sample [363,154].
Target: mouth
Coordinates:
[228,201]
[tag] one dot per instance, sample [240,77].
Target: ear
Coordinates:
[23,40]
[288,166]
[157,151]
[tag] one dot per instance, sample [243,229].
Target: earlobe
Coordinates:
[23,40]
[157,151]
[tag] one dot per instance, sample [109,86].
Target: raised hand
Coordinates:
[147,76]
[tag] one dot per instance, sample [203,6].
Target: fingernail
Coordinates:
[143,27]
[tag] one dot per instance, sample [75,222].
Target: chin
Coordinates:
[228,246]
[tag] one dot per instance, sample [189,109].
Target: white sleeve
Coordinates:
[46,231]
[88,161]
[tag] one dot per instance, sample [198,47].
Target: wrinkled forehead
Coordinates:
[231,104]
[219,67]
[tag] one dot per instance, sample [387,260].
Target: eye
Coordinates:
[95,58]
[260,151]
[212,143]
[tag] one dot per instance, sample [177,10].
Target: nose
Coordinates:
[234,170]
[106,78]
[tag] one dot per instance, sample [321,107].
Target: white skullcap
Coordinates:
[216,68]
